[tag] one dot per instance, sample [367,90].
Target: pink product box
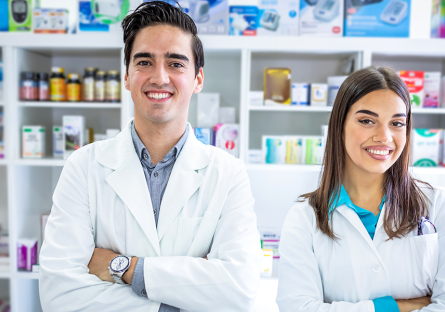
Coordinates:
[26,254]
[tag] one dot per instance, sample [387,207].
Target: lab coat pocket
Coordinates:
[187,228]
[425,257]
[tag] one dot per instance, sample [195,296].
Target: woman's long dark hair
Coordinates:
[405,201]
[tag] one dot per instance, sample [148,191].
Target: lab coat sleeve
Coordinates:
[229,279]
[65,284]
[300,286]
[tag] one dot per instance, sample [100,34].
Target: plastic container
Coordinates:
[99,87]
[57,84]
[28,86]
[113,87]
[73,88]
[88,84]
[43,86]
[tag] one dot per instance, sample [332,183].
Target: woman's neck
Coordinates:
[365,189]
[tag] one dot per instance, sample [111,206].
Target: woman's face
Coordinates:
[375,132]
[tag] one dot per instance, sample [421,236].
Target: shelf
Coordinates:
[43,162]
[3,162]
[324,109]
[284,167]
[70,104]
[27,275]
[4,274]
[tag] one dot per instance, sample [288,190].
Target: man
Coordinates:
[171,217]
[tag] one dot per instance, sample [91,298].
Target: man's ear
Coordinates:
[127,81]
[199,81]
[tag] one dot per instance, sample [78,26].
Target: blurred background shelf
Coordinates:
[43,162]
[70,104]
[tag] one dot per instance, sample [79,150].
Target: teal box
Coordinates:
[377,18]
[20,15]
[4,15]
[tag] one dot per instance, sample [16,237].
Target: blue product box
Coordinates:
[4,15]
[243,20]
[87,20]
[204,135]
[279,18]
[377,18]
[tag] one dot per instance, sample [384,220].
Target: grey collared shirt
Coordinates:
[157,177]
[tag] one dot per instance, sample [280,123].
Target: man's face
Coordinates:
[161,74]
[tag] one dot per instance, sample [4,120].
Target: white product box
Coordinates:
[208,109]
[271,245]
[334,84]
[426,147]
[300,94]
[278,18]
[41,20]
[33,140]
[274,149]
[227,115]
[74,131]
[319,94]
[321,18]
[227,138]
[204,135]
[256,98]
[270,233]
[255,157]
[58,141]
[59,21]
[432,89]
[267,263]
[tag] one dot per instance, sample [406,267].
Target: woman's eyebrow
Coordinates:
[399,115]
[368,112]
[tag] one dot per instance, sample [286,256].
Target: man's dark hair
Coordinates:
[160,13]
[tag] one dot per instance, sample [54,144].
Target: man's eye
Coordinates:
[143,63]
[366,121]
[177,65]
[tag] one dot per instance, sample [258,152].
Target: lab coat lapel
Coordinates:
[184,181]
[128,181]
[380,222]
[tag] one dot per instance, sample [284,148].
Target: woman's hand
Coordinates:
[409,305]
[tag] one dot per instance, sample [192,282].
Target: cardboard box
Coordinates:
[432,89]
[438,19]
[204,135]
[278,18]
[319,94]
[334,84]
[33,141]
[20,15]
[277,86]
[295,150]
[300,94]
[377,18]
[73,134]
[267,263]
[415,81]
[26,254]
[314,150]
[321,18]
[243,20]
[426,147]
[227,138]
[274,149]
[58,141]
[4,15]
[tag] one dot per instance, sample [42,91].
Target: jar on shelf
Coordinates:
[113,87]
[88,84]
[57,84]
[99,86]
[73,87]
[28,86]
[43,86]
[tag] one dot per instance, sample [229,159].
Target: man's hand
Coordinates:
[413,304]
[100,261]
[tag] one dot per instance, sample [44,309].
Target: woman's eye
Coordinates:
[366,121]
[398,124]
[143,63]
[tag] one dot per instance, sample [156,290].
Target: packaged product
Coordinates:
[438,19]
[277,86]
[295,150]
[20,15]
[319,94]
[243,20]
[377,18]
[314,150]
[300,94]
[274,149]
[278,18]
[227,138]
[204,135]
[334,84]
[271,244]
[256,98]
[415,81]
[73,134]
[208,109]
[33,141]
[26,254]
[432,89]
[426,147]
[267,263]
[58,141]
[57,84]
[321,18]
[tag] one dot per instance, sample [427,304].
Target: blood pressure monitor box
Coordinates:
[243,20]
[377,18]
[321,18]
[20,15]
[278,17]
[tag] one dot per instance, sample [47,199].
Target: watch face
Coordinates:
[119,264]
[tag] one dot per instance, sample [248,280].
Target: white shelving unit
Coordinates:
[234,66]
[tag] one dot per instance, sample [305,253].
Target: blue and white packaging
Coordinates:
[377,18]
[274,149]
[278,18]
[243,20]
[322,18]
[204,135]
[4,15]
[300,94]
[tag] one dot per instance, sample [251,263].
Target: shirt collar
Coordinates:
[344,199]
[140,148]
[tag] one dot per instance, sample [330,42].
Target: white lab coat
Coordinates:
[102,200]
[318,274]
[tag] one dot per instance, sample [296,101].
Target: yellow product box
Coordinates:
[295,150]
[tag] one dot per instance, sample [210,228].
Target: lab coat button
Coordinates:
[145,156]
[376,268]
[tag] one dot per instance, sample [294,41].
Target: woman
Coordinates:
[355,244]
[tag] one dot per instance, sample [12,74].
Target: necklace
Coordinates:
[377,207]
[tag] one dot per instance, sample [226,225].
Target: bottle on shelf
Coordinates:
[73,87]
[43,86]
[28,86]
[113,86]
[88,84]
[57,84]
[99,86]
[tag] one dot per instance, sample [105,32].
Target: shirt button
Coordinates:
[144,292]
[376,268]
[145,156]
[155,212]
[156,174]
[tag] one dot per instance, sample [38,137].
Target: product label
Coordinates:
[414,80]
[43,91]
[73,92]
[113,90]
[99,91]
[58,89]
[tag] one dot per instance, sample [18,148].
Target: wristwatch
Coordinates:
[118,266]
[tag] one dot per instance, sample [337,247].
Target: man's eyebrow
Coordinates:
[176,56]
[368,112]
[399,115]
[142,54]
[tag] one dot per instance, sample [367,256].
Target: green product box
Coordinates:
[20,15]
[314,150]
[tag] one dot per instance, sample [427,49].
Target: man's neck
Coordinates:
[159,139]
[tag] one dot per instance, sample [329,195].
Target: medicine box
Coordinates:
[73,134]
[267,263]
[274,149]
[271,245]
[4,15]
[227,138]
[33,141]
[26,254]
[295,150]
[377,18]
[432,89]
[300,94]
[334,84]
[255,156]
[314,150]
[278,18]
[321,18]
[208,109]
[20,15]
[256,98]
[319,94]
[204,135]
[415,81]
[243,20]
[277,86]
[426,147]
[58,141]
[437,19]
